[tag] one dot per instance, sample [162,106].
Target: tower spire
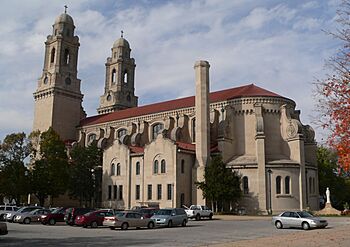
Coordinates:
[65,9]
[121,33]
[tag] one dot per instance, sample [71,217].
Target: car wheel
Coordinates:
[305,226]
[94,224]
[210,216]
[278,225]
[170,223]
[52,222]
[26,221]
[125,226]
[150,225]
[184,222]
[198,217]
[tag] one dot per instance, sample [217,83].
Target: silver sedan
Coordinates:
[126,219]
[33,216]
[301,219]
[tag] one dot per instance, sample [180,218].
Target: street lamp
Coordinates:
[269,172]
[26,173]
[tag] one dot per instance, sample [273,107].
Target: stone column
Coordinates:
[202,122]
[264,202]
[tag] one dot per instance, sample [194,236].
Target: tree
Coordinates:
[221,186]
[334,92]
[330,176]
[50,174]
[85,176]
[13,180]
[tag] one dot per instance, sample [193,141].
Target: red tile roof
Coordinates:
[186,146]
[136,150]
[237,92]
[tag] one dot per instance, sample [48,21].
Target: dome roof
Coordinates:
[64,18]
[121,42]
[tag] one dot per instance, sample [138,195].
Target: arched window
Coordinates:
[157,129]
[114,73]
[113,169]
[91,138]
[121,132]
[278,185]
[137,168]
[193,130]
[182,167]
[68,32]
[287,185]
[155,167]
[162,166]
[114,55]
[118,169]
[53,51]
[66,56]
[125,77]
[245,185]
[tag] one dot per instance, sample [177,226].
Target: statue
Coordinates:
[328,194]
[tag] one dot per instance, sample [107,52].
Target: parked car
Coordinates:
[4,209]
[170,217]
[198,211]
[126,219]
[72,213]
[32,216]
[301,219]
[56,215]
[11,216]
[3,228]
[147,212]
[93,219]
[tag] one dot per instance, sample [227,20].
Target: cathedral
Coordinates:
[153,154]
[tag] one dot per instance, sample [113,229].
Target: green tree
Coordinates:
[221,186]
[50,174]
[85,176]
[331,176]
[13,180]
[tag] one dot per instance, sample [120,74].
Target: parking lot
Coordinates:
[197,233]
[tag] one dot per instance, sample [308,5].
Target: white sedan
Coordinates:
[301,219]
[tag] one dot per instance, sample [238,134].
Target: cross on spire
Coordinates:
[65,9]
[121,33]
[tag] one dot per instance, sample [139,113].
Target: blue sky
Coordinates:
[277,45]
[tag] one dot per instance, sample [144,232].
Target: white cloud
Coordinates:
[277,46]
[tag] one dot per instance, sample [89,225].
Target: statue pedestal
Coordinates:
[328,210]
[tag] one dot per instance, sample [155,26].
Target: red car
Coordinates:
[55,216]
[93,219]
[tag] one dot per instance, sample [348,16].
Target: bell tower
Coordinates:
[119,90]
[58,100]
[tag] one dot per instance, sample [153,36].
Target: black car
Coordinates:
[72,213]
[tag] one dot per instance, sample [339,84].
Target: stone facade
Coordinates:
[154,154]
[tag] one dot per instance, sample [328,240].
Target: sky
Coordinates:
[278,45]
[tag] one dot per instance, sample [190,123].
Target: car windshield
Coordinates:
[120,214]
[57,210]
[163,212]
[305,215]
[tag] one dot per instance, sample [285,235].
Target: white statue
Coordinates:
[328,194]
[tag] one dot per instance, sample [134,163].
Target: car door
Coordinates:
[295,220]
[286,219]
[131,219]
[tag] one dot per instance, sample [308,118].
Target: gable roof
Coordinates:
[244,91]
